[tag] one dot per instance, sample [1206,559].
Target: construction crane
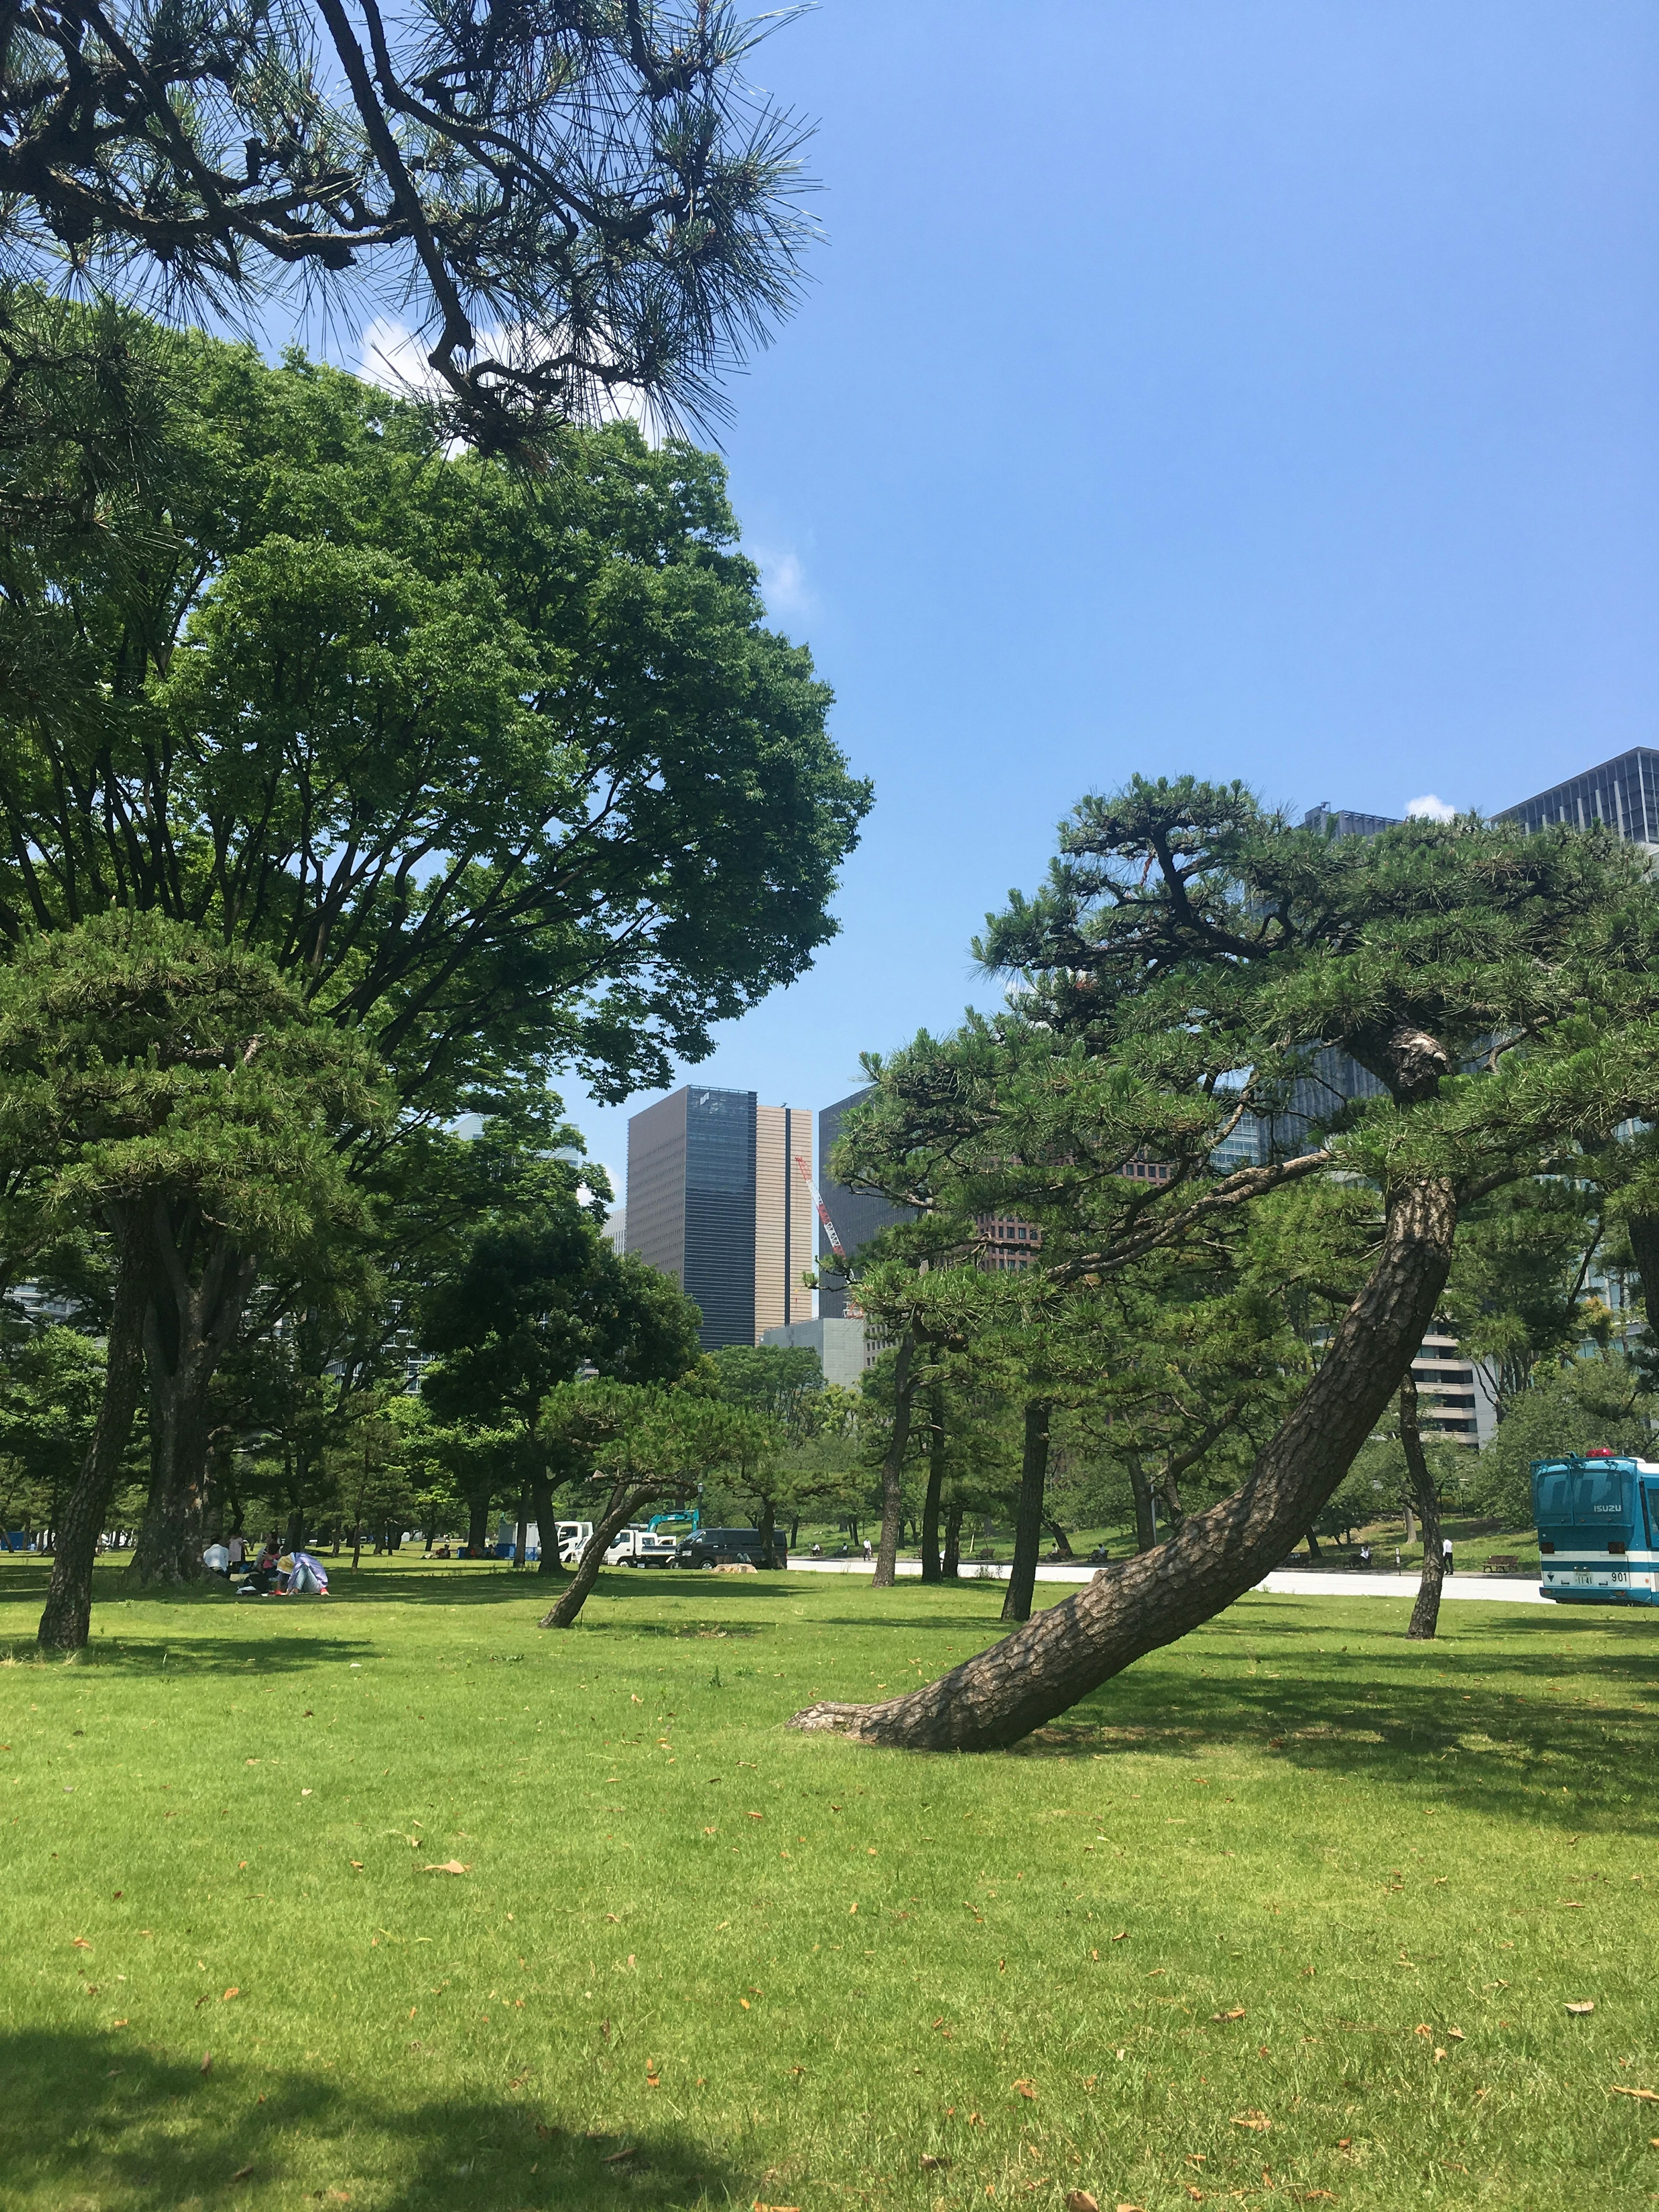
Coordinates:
[836,1245]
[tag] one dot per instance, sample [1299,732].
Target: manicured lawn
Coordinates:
[1388,1868]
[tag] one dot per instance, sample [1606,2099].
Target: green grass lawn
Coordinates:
[1291,1913]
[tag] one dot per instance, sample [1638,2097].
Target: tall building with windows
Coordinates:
[1623,793]
[858,1215]
[715,1200]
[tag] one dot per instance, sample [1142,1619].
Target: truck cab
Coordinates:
[1598,1529]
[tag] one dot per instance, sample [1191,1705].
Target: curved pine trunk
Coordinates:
[625,1502]
[1043,1668]
[66,1623]
[1425,1614]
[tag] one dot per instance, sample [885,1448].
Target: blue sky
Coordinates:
[1251,387]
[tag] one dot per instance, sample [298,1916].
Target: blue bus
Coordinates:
[1598,1529]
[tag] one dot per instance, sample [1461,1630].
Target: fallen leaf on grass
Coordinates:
[358,1864]
[1423,2028]
[1455,2035]
[206,2062]
[1238,2013]
[117,2023]
[1026,2089]
[79,1943]
[929,2161]
[1120,1936]
[1079,2200]
[242,2173]
[1259,2121]
[1642,2096]
[627,2152]
[232,1992]
[449,1866]
[1587,2004]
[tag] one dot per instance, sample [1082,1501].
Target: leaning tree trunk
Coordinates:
[1425,1614]
[950,1564]
[1027,1519]
[189,1324]
[625,1502]
[1062,1541]
[892,1466]
[930,1504]
[1045,1666]
[66,1622]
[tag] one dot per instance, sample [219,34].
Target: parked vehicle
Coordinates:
[573,1535]
[731,1547]
[1598,1529]
[638,1546]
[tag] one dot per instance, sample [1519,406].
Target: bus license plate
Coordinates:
[1583,1574]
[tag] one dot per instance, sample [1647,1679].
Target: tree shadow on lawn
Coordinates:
[1482,1747]
[92,2120]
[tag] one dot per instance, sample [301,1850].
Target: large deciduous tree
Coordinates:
[581,204]
[177,1094]
[1188,957]
[501,769]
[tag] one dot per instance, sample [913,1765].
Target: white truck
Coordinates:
[637,1546]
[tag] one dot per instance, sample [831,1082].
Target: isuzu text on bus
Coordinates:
[1598,1520]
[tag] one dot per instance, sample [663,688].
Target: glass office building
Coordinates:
[1623,793]
[716,1200]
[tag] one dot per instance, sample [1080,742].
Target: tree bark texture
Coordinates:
[1425,1614]
[931,1571]
[189,1324]
[1069,1649]
[547,1528]
[1642,1229]
[66,1623]
[625,1501]
[1028,1518]
[1141,1491]
[892,1466]
[951,1563]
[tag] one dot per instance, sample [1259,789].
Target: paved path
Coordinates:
[1293,1581]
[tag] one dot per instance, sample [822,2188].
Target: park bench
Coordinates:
[1502,1563]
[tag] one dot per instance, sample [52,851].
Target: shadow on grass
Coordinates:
[90,2120]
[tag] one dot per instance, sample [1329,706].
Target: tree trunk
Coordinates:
[950,1564]
[1642,1229]
[547,1528]
[1411,1524]
[1069,1650]
[521,1534]
[1028,1520]
[1062,1541]
[478,1525]
[892,1466]
[1313,1544]
[189,1324]
[768,1522]
[1169,1489]
[625,1502]
[1425,1614]
[356,1542]
[1141,1491]
[66,1622]
[930,1505]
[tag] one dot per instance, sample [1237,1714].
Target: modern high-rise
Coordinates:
[858,1215]
[1623,793]
[716,1200]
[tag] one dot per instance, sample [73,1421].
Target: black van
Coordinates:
[730,1547]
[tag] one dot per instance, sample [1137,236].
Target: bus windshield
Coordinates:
[1583,1497]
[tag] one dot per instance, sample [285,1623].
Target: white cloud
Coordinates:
[783,583]
[1429,809]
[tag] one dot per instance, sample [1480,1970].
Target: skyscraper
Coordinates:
[715,1200]
[1623,793]
[857,1214]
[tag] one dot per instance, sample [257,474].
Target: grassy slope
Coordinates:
[1294,1812]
